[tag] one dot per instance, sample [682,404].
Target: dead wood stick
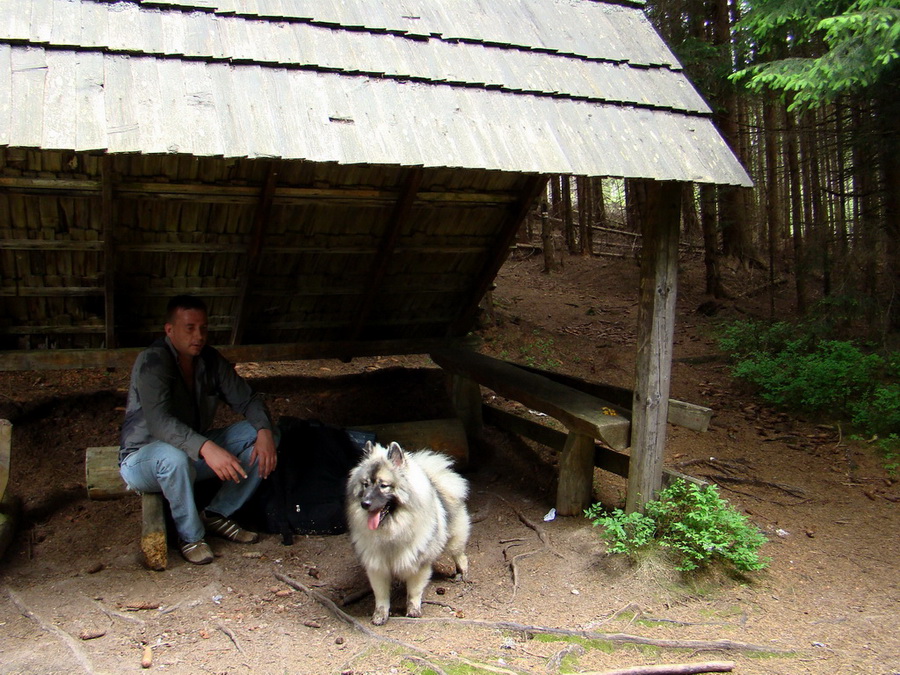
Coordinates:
[113,614]
[230,633]
[329,605]
[355,596]
[672,669]
[624,638]
[542,535]
[69,641]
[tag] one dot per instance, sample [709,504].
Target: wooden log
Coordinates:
[659,208]
[465,395]
[5,454]
[576,475]
[101,472]
[442,435]
[10,508]
[153,531]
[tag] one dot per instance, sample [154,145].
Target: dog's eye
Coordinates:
[385,486]
[366,483]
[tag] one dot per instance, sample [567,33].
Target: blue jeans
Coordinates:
[160,467]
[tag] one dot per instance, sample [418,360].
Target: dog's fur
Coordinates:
[404,509]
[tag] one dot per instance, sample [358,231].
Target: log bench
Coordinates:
[590,412]
[101,470]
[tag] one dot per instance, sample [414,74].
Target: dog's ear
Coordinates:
[395,453]
[367,448]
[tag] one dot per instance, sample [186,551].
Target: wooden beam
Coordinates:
[239,194]
[108,222]
[534,187]
[579,412]
[378,271]
[252,254]
[688,415]
[68,359]
[658,205]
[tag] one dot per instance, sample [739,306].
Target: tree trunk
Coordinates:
[568,219]
[547,240]
[710,241]
[773,193]
[888,116]
[585,215]
[733,220]
[797,227]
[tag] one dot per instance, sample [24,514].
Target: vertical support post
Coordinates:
[108,219]
[5,454]
[658,206]
[153,534]
[465,395]
[254,251]
[576,475]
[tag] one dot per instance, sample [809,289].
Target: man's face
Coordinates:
[187,331]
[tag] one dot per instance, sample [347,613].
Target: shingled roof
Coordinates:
[536,86]
[334,177]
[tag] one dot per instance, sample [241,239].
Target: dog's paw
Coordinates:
[380,617]
[414,611]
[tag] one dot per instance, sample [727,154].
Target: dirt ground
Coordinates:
[828,603]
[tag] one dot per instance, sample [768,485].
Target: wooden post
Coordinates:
[576,475]
[658,206]
[153,531]
[5,454]
[108,217]
[9,505]
[465,394]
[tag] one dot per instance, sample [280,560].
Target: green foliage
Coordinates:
[695,524]
[816,50]
[796,368]
[539,353]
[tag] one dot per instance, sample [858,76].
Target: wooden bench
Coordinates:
[101,469]
[583,408]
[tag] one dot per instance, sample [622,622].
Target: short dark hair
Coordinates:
[184,301]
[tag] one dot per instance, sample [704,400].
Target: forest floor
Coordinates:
[74,596]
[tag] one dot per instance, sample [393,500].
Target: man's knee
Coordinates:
[171,461]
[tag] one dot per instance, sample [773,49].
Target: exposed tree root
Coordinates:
[623,638]
[230,633]
[672,669]
[69,641]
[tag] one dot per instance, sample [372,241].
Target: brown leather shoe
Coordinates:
[197,552]
[228,529]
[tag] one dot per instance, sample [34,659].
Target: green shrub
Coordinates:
[795,368]
[695,524]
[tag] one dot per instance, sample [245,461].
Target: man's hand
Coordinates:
[264,451]
[225,465]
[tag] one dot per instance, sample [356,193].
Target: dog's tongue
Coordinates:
[374,520]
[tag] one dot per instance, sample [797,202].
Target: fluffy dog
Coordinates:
[405,509]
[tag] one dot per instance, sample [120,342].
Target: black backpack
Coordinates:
[305,493]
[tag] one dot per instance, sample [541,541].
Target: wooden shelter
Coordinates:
[336,178]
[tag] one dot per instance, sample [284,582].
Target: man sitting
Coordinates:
[167,442]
